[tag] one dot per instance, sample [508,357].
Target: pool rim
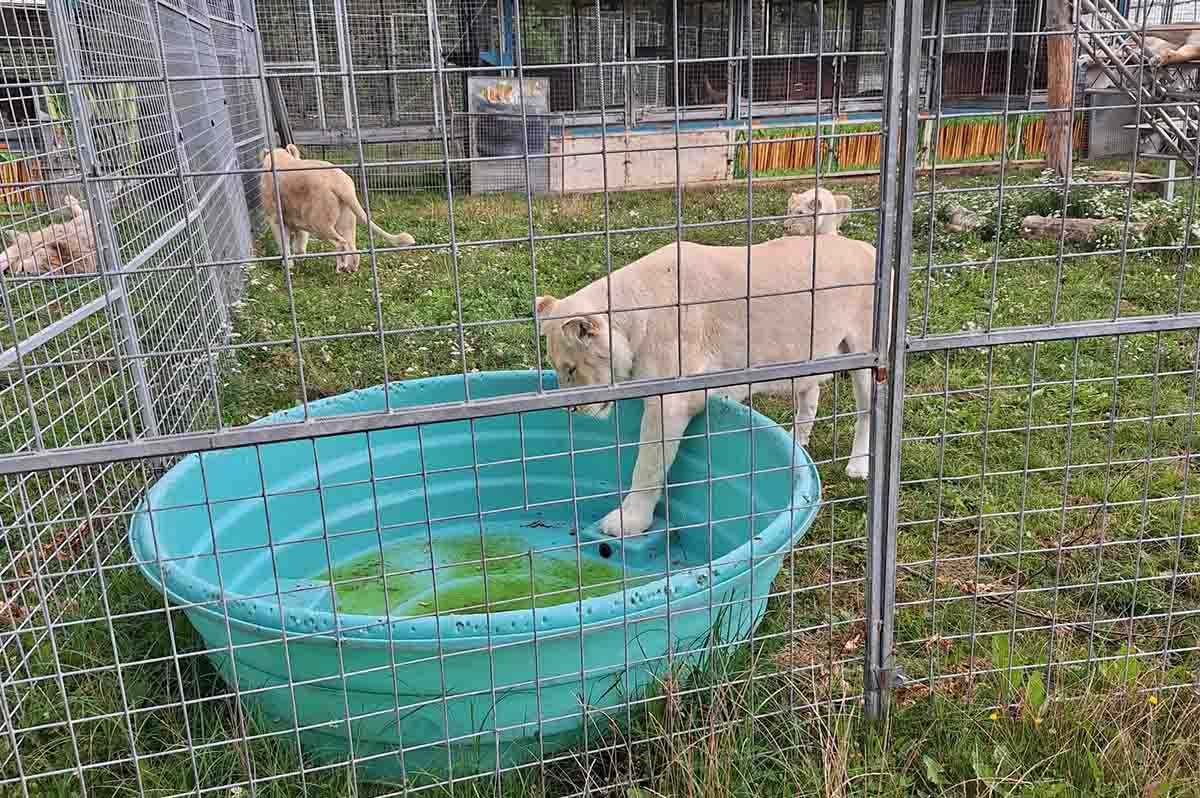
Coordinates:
[262,611]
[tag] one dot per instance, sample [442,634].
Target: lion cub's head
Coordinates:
[817,211]
[280,155]
[585,349]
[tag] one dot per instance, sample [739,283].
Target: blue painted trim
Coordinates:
[493,58]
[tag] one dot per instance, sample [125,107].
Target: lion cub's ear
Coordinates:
[844,202]
[545,304]
[294,150]
[545,307]
[583,327]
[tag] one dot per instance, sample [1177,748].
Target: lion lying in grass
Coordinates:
[68,247]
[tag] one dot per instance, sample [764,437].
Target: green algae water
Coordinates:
[557,578]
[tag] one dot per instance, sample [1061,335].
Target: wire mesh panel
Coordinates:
[539,647]
[621,58]
[1158,13]
[468,700]
[115,282]
[1049,537]
[1043,540]
[601,39]
[619,398]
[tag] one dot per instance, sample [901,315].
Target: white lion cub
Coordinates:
[649,326]
[817,211]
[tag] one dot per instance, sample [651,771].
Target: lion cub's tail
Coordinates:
[351,198]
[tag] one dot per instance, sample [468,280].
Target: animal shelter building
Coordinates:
[412,80]
[614,71]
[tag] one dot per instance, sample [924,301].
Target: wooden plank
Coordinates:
[372,135]
[1078,230]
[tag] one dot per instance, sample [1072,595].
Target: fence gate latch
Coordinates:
[891,678]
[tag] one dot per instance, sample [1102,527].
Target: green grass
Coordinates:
[1043,554]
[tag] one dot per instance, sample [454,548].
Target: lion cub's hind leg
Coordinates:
[300,242]
[347,230]
[859,465]
[282,235]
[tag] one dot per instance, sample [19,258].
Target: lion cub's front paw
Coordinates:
[858,467]
[1153,58]
[635,519]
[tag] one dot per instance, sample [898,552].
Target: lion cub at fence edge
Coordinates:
[317,200]
[1161,45]
[817,211]
[590,343]
[68,247]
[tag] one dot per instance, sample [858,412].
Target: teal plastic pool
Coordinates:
[506,628]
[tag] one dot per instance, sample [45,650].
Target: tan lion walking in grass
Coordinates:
[320,200]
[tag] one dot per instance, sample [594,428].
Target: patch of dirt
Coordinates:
[958,684]
[18,591]
[812,649]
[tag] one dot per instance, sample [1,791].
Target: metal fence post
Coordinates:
[68,49]
[342,25]
[318,87]
[629,35]
[199,241]
[891,303]
[249,41]
[435,47]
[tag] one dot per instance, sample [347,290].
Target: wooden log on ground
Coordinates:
[1143,182]
[1080,231]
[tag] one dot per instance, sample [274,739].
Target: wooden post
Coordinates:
[283,125]
[1060,86]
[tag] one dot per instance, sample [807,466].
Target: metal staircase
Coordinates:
[1168,97]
